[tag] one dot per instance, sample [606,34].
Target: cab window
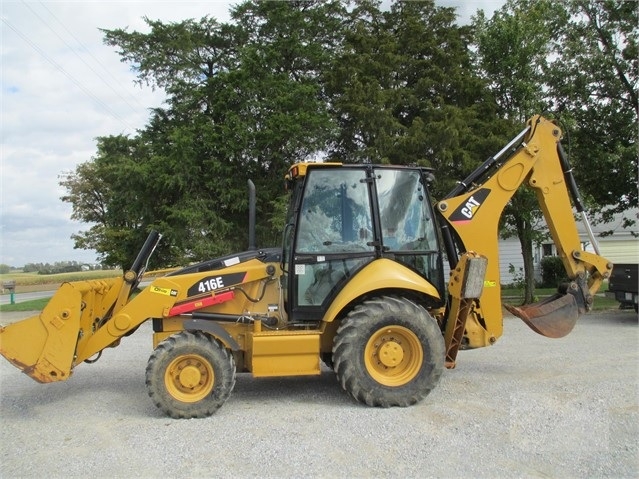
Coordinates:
[334,224]
[406,218]
[335,215]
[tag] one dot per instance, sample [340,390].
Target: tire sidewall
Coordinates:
[427,371]
[362,323]
[195,344]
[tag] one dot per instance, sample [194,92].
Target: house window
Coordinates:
[547,250]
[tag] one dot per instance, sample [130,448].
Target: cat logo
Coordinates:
[467,211]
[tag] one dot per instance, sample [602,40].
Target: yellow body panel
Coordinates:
[284,353]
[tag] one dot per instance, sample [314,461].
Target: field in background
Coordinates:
[30,282]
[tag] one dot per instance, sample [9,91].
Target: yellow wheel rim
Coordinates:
[393,356]
[189,378]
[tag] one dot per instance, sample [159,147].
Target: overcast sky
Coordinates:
[61,89]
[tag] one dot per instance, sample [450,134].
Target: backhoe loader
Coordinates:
[358,285]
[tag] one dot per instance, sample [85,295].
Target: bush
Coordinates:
[552,272]
[519,280]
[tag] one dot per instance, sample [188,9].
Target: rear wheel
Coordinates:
[190,375]
[388,352]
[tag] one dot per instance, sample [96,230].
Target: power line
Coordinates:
[88,52]
[59,67]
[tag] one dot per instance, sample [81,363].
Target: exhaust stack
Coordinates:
[251,239]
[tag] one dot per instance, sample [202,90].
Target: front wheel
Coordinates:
[190,375]
[388,352]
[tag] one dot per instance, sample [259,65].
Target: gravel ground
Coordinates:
[526,407]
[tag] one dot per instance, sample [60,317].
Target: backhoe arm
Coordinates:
[472,212]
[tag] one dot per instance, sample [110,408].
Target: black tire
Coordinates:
[190,375]
[327,358]
[388,352]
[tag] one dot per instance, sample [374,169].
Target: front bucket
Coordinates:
[19,351]
[42,346]
[554,317]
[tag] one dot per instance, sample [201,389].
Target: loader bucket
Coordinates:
[553,317]
[43,346]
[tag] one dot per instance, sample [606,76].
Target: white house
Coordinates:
[622,246]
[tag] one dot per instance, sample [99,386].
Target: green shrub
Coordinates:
[552,272]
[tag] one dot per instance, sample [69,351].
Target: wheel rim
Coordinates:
[393,356]
[189,378]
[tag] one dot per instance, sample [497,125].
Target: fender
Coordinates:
[212,328]
[380,274]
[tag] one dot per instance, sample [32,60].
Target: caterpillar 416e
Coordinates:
[358,284]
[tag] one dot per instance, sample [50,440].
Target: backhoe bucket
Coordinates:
[44,346]
[554,317]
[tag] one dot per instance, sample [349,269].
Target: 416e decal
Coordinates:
[213,283]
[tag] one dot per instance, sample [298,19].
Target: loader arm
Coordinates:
[72,326]
[85,317]
[471,214]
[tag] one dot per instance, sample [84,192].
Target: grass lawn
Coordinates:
[33,305]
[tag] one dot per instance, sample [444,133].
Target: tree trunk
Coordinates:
[525,234]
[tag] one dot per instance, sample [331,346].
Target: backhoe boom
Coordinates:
[472,212]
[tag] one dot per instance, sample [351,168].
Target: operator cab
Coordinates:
[342,217]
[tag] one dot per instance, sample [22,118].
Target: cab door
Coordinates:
[334,237]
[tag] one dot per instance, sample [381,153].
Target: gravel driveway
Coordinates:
[526,407]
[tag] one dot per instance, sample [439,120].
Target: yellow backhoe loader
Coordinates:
[358,284]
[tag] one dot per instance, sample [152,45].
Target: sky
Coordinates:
[61,89]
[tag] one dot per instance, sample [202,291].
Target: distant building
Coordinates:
[620,247]
[623,245]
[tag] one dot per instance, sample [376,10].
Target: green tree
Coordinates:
[244,101]
[593,84]
[359,84]
[577,61]
[191,61]
[110,193]
[403,91]
[288,49]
